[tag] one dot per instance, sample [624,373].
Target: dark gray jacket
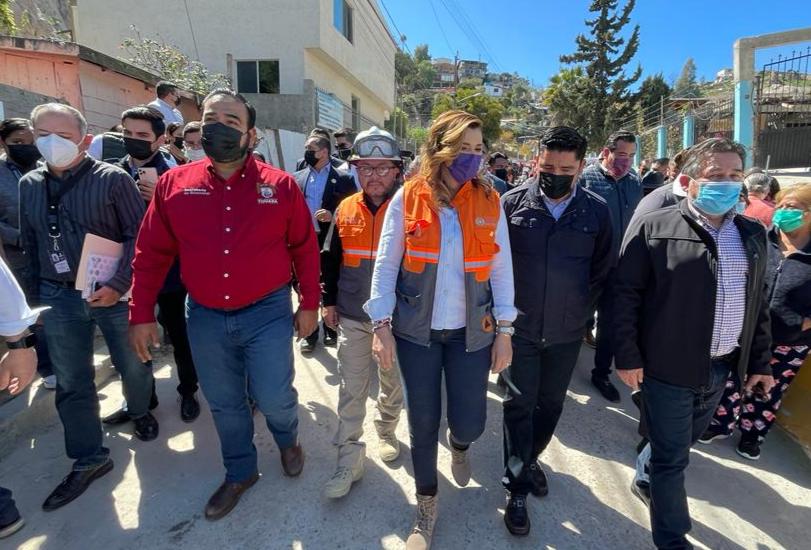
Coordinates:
[559,266]
[789,293]
[622,196]
[665,291]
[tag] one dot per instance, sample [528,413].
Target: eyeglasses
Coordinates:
[381,171]
[371,147]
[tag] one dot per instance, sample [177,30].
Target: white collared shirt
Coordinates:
[170,114]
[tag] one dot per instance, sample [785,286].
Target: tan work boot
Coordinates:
[460,465]
[339,485]
[420,537]
[388,447]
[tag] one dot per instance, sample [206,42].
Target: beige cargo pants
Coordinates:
[355,365]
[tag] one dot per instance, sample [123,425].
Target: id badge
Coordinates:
[59,262]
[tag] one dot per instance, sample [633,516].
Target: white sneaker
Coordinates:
[341,481]
[49,382]
[388,447]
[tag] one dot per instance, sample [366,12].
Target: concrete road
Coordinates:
[154,497]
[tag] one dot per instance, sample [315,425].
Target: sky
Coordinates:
[528,36]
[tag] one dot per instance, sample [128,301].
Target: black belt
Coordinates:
[63,284]
[731,357]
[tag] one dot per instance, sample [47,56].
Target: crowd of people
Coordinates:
[453,265]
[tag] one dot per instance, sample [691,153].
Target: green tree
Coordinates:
[475,102]
[398,121]
[569,98]
[687,85]
[421,53]
[604,55]
[170,63]
[651,92]
[7,23]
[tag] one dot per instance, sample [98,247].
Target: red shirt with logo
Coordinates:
[238,239]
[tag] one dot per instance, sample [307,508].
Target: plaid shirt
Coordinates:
[730,294]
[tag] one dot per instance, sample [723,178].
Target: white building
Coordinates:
[494,90]
[301,62]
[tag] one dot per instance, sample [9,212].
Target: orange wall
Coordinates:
[43,73]
[106,94]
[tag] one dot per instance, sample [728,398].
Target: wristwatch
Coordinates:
[509,331]
[23,343]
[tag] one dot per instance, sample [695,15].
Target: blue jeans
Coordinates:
[466,393]
[676,417]
[242,351]
[70,327]
[8,510]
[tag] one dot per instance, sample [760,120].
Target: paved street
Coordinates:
[154,497]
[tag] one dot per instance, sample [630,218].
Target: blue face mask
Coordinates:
[740,208]
[717,198]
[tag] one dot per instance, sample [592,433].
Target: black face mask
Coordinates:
[222,143]
[24,154]
[309,158]
[501,173]
[138,148]
[178,143]
[554,186]
[344,154]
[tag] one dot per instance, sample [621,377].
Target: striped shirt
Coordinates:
[730,294]
[104,201]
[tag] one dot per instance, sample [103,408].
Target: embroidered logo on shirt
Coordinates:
[267,193]
[196,191]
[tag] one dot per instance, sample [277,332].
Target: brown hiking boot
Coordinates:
[420,537]
[292,460]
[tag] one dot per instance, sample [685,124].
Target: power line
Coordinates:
[391,19]
[191,28]
[476,34]
[469,31]
[445,36]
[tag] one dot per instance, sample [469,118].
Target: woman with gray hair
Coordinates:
[760,208]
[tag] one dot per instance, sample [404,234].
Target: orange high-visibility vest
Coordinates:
[359,231]
[478,211]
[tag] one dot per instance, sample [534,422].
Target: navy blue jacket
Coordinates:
[559,266]
[789,280]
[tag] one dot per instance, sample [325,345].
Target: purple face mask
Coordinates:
[465,167]
[621,166]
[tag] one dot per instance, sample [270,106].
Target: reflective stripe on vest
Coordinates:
[478,212]
[359,231]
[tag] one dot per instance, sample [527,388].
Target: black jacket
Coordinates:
[339,186]
[789,293]
[665,294]
[559,266]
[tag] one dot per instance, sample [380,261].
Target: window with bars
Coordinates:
[258,77]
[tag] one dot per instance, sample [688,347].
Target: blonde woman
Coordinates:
[442,296]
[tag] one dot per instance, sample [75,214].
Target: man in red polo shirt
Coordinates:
[240,228]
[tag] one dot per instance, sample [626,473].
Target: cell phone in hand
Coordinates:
[147,175]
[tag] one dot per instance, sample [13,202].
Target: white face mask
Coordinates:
[57,151]
[195,154]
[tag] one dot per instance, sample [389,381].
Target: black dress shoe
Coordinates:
[606,388]
[146,427]
[642,491]
[121,416]
[189,408]
[516,517]
[74,485]
[540,487]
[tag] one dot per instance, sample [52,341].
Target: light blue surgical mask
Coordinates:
[717,198]
[740,208]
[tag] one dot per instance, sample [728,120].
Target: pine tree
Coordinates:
[687,85]
[605,54]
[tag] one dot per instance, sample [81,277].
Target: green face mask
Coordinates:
[788,219]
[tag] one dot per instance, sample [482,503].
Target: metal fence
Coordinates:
[783,112]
